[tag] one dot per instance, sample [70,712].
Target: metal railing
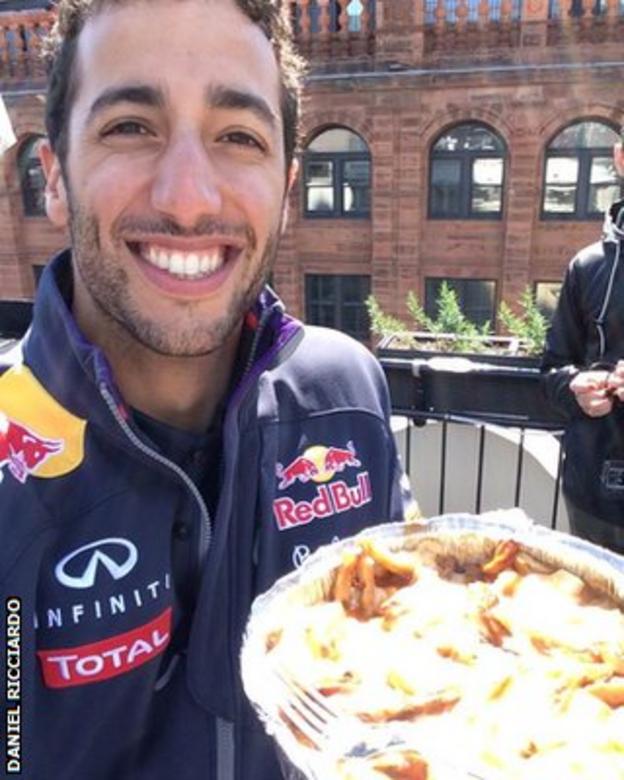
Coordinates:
[515,461]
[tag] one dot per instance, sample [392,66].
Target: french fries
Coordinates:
[490,648]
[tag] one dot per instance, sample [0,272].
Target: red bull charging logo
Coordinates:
[320,464]
[23,451]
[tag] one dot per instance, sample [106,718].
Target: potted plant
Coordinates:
[449,366]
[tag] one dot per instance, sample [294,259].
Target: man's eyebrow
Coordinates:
[131,93]
[236,99]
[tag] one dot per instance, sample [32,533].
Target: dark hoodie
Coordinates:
[587,331]
[101,535]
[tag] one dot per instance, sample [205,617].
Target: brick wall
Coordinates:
[399,87]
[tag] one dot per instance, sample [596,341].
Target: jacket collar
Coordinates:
[613,228]
[72,368]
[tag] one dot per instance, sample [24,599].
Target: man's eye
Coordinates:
[243,139]
[126,128]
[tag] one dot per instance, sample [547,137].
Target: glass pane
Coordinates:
[319,172]
[562,170]
[469,137]
[585,135]
[486,199]
[546,297]
[320,199]
[445,187]
[356,171]
[355,288]
[324,315]
[487,171]
[476,297]
[560,199]
[356,186]
[601,196]
[356,199]
[603,171]
[446,172]
[338,139]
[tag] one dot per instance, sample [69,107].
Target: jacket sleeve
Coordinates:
[564,354]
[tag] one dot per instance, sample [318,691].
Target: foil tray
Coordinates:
[463,535]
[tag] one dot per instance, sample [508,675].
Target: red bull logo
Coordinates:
[320,464]
[23,451]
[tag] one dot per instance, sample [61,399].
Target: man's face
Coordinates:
[175,183]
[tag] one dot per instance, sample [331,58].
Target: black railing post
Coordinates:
[553,519]
[519,468]
[408,447]
[480,468]
[443,467]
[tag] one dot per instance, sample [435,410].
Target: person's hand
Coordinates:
[615,381]
[592,391]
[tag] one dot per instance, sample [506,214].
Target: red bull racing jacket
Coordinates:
[106,674]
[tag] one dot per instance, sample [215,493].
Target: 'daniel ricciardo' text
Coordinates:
[13,686]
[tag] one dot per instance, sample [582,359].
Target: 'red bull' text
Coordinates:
[332,499]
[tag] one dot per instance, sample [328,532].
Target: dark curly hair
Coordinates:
[271,16]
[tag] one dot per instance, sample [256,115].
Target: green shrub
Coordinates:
[530,326]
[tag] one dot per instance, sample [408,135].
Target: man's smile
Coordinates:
[187,260]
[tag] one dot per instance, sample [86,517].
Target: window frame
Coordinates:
[338,160]
[585,157]
[338,303]
[467,159]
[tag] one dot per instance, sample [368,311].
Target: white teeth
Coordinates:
[185,265]
[176,263]
[191,265]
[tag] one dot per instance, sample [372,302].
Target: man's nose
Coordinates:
[186,184]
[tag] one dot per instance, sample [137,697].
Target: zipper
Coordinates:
[205,529]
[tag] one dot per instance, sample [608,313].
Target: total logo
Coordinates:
[111,657]
[23,450]
[320,464]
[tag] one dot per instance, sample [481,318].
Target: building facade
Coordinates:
[459,140]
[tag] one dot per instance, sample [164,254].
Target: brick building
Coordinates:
[467,140]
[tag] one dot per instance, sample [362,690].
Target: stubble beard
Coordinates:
[193,334]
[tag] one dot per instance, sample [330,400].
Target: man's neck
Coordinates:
[184,392]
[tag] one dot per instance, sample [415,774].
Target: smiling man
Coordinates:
[171,441]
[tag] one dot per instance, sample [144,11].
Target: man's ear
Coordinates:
[55,193]
[618,158]
[293,172]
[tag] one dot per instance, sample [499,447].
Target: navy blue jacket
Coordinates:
[101,537]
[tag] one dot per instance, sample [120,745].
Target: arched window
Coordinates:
[32,180]
[467,173]
[336,175]
[580,180]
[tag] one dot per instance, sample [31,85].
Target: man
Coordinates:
[170,440]
[584,378]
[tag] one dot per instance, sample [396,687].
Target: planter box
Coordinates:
[502,389]
[497,350]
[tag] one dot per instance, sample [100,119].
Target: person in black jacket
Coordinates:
[583,367]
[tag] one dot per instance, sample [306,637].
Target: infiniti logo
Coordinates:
[89,558]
